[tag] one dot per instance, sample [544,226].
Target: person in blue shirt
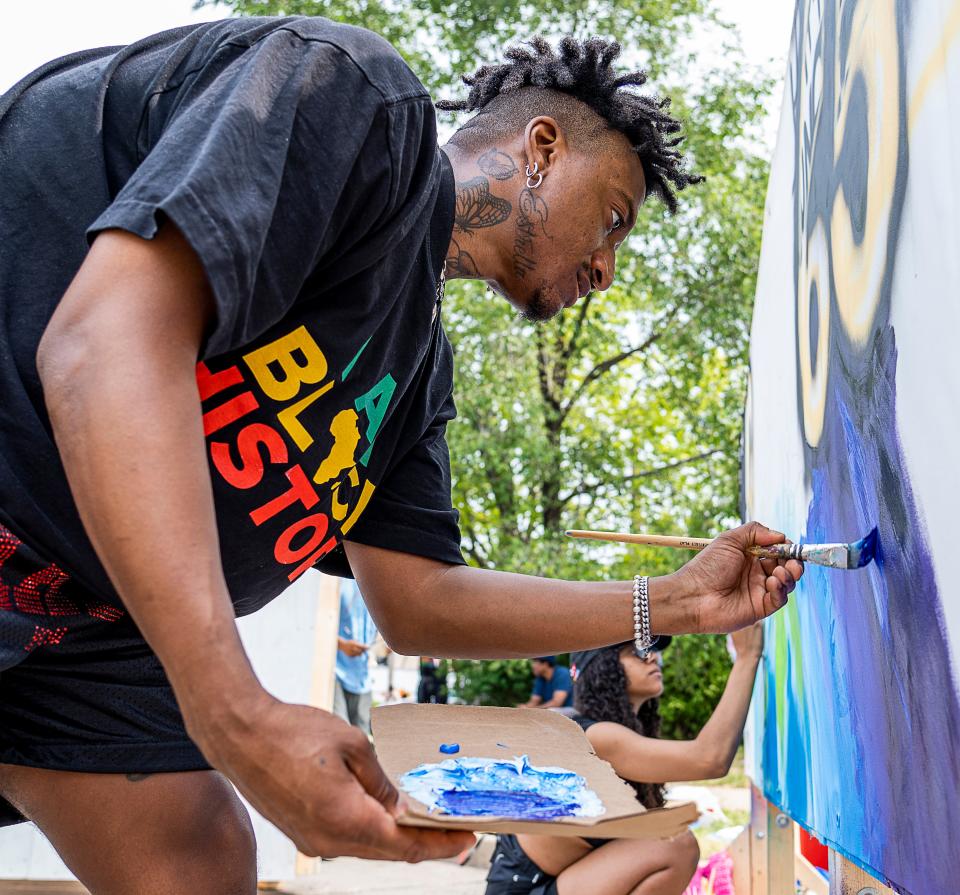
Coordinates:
[552,685]
[352,696]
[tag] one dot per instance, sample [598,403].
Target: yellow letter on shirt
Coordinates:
[284,365]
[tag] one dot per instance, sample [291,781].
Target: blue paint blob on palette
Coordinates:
[449,748]
[495,803]
[514,789]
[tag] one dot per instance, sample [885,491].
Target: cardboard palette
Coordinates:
[408,735]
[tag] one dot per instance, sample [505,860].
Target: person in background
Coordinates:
[617,704]
[432,687]
[552,685]
[352,696]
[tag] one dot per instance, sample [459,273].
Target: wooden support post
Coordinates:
[758,842]
[848,879]
[740,854]
[325,654]
[771,848]
[780,849]
[323,672]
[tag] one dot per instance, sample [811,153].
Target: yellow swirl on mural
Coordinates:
[814,273]
[858,269]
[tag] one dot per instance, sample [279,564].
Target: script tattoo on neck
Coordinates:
[531,222]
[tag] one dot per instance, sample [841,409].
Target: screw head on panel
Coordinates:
[783,821]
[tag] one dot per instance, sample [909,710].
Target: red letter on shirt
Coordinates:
[300,490]
[250,470]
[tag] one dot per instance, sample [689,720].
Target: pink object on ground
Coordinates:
[713,877]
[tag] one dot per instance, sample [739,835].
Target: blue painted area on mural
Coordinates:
[870,760]
[857,709]
[486,787]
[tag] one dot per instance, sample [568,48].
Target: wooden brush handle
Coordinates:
[776,551]
[651,540]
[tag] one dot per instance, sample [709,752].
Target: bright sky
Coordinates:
[28,38]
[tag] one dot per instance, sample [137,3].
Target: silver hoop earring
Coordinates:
[534,173]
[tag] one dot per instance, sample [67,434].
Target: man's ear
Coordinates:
[543,143]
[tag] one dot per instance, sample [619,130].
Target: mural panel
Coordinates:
[853,414]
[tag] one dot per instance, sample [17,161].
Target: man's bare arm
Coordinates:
[557,700]
[424,606]
[117,363]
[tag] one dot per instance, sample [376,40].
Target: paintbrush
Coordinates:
[836,556]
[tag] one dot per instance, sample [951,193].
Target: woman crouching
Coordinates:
[617,698]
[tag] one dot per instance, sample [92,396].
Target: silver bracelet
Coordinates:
[642,640]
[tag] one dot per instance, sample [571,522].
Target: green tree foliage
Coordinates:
[499,682]
[695,670]
[624,413]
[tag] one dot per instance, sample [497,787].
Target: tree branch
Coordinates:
[648,473]
[545,374]
[609,363]
[571,345]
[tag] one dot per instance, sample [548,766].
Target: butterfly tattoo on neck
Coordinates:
[476,207]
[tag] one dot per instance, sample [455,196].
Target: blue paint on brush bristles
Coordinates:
[864,551]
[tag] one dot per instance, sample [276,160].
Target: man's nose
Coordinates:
[602,265]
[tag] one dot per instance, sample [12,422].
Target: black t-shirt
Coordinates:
[299,158]
[585,722]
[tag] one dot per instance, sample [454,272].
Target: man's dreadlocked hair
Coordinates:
[581,70]
[601,695]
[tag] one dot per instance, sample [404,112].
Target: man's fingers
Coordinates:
[768,565]
[776,593]
[786,573]
[413,844]
[364,766]
[368,830]
[383,838]
[795,568]
[782,574]
[755,533]
[400,806]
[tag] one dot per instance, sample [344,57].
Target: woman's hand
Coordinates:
[748,642]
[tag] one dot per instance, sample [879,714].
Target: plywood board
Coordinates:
[854,396]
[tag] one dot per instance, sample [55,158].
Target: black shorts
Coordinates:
[513,873]
[80,690]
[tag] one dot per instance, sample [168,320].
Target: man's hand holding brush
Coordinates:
[731,589]
[430,608]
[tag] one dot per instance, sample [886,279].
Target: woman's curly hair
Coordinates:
[584,70]
[601,695]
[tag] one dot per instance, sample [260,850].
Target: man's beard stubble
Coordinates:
[539,309]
